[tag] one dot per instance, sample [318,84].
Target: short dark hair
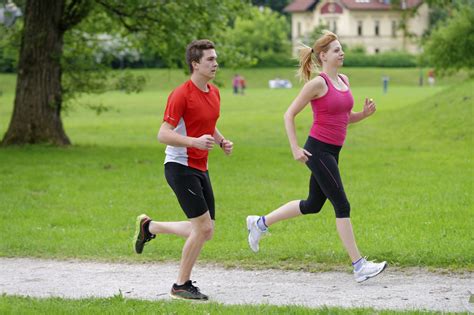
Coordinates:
[194,51]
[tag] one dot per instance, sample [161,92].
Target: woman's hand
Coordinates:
[369,107]
[300,154]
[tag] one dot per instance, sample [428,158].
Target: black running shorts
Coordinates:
[193,189]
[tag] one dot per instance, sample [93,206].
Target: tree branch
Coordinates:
[74,13]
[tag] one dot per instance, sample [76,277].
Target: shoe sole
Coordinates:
[249,224]
[177,297]
[372,275]
[138,228]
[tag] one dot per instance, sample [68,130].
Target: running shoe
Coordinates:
[187,291]
[142,235]
[255,234]
[369,270]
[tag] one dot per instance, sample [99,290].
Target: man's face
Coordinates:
[207,66]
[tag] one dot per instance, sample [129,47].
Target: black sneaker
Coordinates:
[142,235]
[187,291]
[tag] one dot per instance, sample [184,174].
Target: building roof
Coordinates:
[308,5]
[301,6]
[378,4]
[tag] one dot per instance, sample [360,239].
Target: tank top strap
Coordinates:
[344,80]
[326,78]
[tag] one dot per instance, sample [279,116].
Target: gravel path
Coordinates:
[394,289]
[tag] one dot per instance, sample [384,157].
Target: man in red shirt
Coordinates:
[189,130]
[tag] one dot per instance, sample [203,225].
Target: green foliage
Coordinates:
[9,47]
[160,31]
[387,60]
[259,39]
[275,5]
[450,46]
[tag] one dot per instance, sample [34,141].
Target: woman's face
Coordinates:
[334,56]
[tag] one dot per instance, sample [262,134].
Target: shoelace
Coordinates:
[193,288]
[149,238]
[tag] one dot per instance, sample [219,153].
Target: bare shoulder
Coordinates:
[317,82]
[316,85]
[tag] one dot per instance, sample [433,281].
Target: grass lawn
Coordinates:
[407,172]
[119,305]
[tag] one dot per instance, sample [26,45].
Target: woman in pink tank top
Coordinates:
[332,102]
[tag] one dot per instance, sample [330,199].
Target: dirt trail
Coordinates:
[397,290]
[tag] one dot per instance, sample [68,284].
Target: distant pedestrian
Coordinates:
[242,85]
[431,77]
[385,80]
[236,83]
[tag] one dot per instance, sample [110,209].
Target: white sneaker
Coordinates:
[254,232]
[369,269]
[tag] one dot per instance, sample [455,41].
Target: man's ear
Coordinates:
[195,64]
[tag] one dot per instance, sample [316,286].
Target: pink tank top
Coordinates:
[331,114]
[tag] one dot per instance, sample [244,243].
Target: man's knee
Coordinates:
[205,231]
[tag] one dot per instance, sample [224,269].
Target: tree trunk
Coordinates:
[37,113]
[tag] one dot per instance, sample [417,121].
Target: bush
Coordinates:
[386,59]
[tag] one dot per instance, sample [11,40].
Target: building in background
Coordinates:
[373,24]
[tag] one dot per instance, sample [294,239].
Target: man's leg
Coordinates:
[181,228]
[202,229]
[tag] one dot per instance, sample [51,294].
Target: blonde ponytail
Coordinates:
[307,64]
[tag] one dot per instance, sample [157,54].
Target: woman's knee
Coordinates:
[343,210]
[310,206]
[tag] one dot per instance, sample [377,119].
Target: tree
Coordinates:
[260,38]
[54,31]
[450,45]
[275,5]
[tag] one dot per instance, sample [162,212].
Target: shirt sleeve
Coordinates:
[174,108]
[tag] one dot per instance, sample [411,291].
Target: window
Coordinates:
[363,1]
[394,28]
[334,27]
[359,28]
[377,27]
[299,29]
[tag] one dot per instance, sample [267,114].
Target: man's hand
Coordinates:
[227,146]
[204,142]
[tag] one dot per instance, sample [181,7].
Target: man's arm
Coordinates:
[224,143]
[168,136]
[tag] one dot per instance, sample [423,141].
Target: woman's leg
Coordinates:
[287,211]
[326,171]
[344,228]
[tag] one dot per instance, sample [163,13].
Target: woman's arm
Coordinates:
[369,109]
[310,90]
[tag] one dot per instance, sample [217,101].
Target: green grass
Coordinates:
[407,172]
[119,305]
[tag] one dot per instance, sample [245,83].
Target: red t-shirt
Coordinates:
[193,113]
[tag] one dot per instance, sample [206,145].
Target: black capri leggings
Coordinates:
[325,181]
